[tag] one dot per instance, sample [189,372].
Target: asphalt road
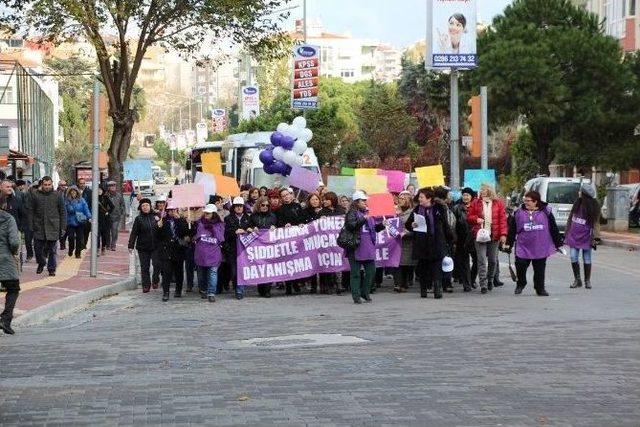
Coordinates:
[467,360]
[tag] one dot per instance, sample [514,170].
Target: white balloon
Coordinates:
[299,147]
[300,122]
[282,127]
[299,161]
[278,153]
[290,158]
[305,134]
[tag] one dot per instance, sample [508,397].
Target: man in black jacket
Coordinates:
[289,214]
[235,223]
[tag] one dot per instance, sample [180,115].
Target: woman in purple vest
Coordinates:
[534,230]
[208,254]
[583,233]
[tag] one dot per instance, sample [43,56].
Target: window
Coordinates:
[8,95]
[632,7]
[347,73]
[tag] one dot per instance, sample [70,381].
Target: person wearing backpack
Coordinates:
[534,230]
[583,233]
[487,218]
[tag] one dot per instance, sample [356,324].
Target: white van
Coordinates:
[560,193]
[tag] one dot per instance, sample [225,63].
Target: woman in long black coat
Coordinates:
[431,247]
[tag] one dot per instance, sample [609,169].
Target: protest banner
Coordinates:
[430,176]
[381,205]
[188,196]
[268,256]
[226,186]
[473,178]
[341,185]
[138,170]
[207,181]
[347,172]
[371,184]
[395,180]
[304,179]
[211,163]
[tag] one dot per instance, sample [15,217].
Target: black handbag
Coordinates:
[347,240]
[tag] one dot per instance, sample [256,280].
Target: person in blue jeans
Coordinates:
[77,215]
[208,238]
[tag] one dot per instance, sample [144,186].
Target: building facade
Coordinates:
[619,18]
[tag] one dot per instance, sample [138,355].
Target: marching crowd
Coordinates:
[442,240]
[40,219]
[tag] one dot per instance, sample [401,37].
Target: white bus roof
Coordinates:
[207,144]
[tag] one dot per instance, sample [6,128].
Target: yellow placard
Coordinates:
[365,172]
[430,176]
[211,163]
[372,184]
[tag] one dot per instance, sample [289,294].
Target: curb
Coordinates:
[621,245]
[70,303]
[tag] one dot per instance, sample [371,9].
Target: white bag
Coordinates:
[483,236]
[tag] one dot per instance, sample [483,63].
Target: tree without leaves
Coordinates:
[184,25]
[548,62]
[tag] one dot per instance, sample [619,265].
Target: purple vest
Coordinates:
[367,249]
[207,252]
[579,235]
[533,235]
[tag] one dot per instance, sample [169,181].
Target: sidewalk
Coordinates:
[42,296]
[624,240]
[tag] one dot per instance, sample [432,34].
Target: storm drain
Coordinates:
[304,340]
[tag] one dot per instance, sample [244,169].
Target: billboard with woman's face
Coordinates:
[451,34]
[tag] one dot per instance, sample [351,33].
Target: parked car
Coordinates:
[560,193]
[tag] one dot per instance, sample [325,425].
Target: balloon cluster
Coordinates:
[289,142]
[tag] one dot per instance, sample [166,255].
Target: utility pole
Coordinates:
[304,19]
[455,127]
[484,153]
[95,178]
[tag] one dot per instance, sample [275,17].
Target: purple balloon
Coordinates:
[276,138]
[287,142]
[279,167]
[269,169]
[269,147]
[287,170]
[266,157]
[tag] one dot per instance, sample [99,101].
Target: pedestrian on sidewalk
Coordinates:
[119,211]
[235,224]
[62,191]
[363,231]
[263,219]
[48,220]
[9,275]
[78,215]
[209,237]
[487,216]
[105,208]
[143,239]
[535,233]
[430,246]
[85,193]
[583,233]
[172,232]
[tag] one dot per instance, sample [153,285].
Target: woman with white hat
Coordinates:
[583,233]
[362,231]
[236,223]
[209,237]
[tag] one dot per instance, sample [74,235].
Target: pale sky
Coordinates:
[399,23]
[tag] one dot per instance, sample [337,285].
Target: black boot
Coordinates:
[5,325]
[437,290]
[423,290]
[577,283]
[165,297]
[587,276]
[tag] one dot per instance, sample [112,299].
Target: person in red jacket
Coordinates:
[487,213]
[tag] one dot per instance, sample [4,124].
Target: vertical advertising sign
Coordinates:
[201,131]
[218,119]
[250,102]
[306,77]
[451,34]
